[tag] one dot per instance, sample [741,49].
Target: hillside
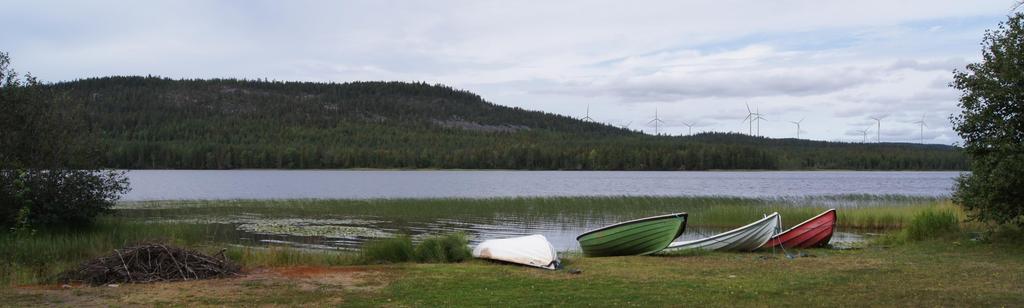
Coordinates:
[150,122]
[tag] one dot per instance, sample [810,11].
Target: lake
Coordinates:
[371,184]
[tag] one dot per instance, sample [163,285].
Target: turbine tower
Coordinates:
[657,122]
[750,120]
[689,127]
[587,117]
[879,120]
[865,133]
[923,125]
[797,127]
[758,118]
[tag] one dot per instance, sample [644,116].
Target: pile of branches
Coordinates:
[151,262]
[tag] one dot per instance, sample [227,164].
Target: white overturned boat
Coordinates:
[533,250]
[745,238]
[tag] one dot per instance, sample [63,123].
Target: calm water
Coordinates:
[347,184]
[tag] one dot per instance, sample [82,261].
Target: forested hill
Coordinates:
[149,122]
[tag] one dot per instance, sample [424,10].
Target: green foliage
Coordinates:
[443,249]
[389,250]
[152,122]
[931,224]
[435,249]
[48,175]
[59,197]
[992,126]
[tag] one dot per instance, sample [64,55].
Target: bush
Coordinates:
[57,198]
[931,224]
[388,250]
[442,249]
[436,249]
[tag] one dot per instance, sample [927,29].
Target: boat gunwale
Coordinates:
[807,221]
[684,215]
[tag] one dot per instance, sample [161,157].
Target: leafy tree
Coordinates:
[992,126]
[47,158]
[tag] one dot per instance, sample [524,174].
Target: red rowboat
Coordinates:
[814,232]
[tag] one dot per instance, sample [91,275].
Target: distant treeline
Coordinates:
[149,122]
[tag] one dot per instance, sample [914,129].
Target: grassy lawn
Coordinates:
[950,272]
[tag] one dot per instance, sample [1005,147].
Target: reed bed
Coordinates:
[856,211]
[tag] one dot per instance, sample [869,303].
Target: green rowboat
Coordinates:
[635,237]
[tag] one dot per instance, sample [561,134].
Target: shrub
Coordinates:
[389,250]
[931,224]
[57,198]
[435,249]
[445,248]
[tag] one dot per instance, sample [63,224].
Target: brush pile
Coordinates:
[151,262]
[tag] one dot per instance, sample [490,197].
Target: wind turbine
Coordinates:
[758,118]
[626,126]
[588,118]
[656,122]
[865,133]
[923,125]
[689,127]
[879,120]
[750,120]
[797,127]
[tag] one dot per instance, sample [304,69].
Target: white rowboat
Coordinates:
[533,250]
[745,238]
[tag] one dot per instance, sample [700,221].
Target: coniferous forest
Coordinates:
[154,123]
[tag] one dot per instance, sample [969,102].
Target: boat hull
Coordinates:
[635,237]
[532,250]
[814,232]
[745,238]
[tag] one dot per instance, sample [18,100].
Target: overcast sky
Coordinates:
[834,63]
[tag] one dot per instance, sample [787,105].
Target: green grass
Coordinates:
[932,223]
[40,257]
[389,250]
[434,249]
[930,273]
[275,256]
[443,249]
[942,266]
[933,272]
